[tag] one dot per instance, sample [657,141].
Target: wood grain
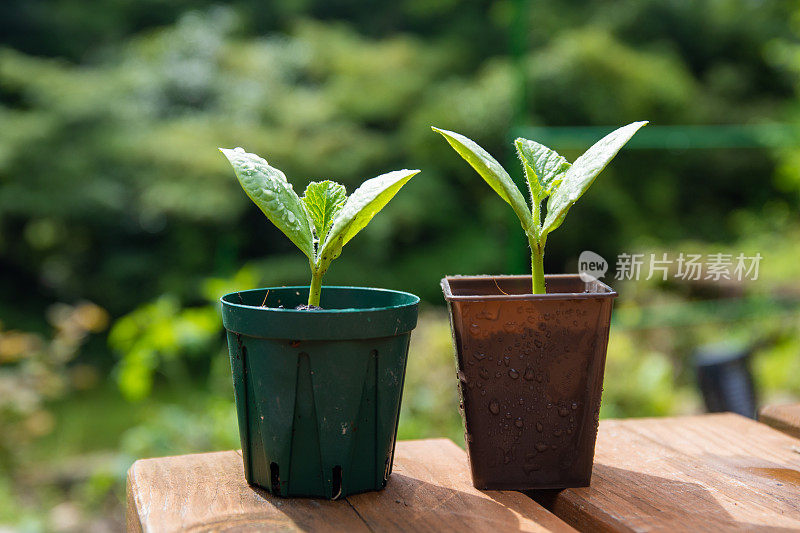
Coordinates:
[436,494]
[705,473]
[207,492]
[430,490]
[784,418]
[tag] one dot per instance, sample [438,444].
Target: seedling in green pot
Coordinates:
[324,219]
[549,176]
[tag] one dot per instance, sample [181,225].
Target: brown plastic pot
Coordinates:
[530,371]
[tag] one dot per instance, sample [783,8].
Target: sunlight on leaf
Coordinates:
[269,190]
[491,171]
[583,172]
[323,201]
[360,207]
[544,168]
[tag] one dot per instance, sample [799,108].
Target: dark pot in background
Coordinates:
[725,378]
[530,370]
[318,392]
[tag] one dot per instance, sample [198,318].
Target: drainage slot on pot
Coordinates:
[387,469]
[275,478]
[336,482]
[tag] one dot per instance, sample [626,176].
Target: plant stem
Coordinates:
[537,267]
[315,290]
[537,239]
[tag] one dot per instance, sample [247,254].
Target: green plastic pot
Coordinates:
[318,392]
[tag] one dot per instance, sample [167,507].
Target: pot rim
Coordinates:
[604,290]
[413,300]
[394,313]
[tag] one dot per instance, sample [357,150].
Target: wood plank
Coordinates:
[207,492]
[703,473]
[784,418]
[430,490]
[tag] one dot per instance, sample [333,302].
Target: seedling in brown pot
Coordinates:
[550,177]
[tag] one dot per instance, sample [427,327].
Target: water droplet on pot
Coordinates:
[497,374]
[539,427]
[519,423]
[541,447]
[513,374]
[557,433]
[563,411]
[508,416]
[484,373]
[530,468]
[574,405]
[506,360]
[474,328]
[529,374]
[494,407]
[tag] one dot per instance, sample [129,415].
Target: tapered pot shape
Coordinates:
[530,371]
[318,392]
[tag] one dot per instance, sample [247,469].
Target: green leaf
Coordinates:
[269,190]
[544,168]
[323,200]
[491,171]
[358,210]
[583,172]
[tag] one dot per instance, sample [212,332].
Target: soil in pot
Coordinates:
[318,391]
[530,371]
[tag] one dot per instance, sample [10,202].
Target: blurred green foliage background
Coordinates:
[121,224]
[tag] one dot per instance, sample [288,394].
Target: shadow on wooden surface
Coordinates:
[709,473]
[785,418]
[429,490]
